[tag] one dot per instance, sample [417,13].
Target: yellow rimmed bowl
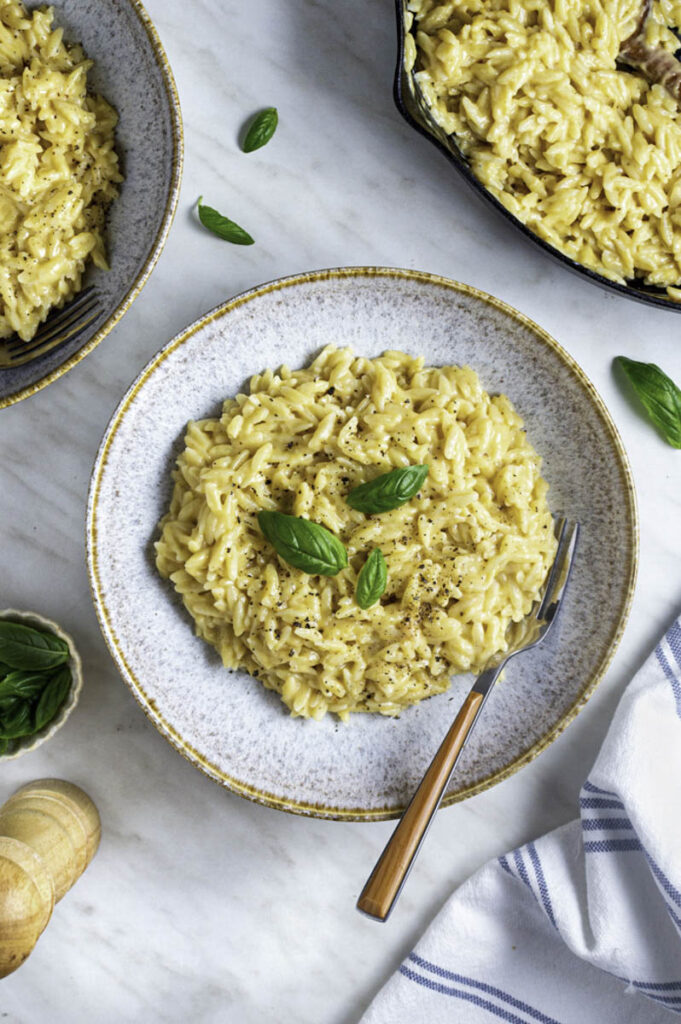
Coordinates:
[132,72]
[35,621]
[228,725]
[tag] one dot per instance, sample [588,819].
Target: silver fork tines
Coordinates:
[61,326]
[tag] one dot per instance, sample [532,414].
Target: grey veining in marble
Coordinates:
[200,906]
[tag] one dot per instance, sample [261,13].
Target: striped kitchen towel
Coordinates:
[582,926]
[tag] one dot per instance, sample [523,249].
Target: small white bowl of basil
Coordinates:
[40,681]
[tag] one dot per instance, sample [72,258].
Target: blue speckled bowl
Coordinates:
[131,70]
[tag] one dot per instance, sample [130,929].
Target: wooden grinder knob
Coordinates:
[49,833]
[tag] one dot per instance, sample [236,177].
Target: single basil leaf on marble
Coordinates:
[25,648]
[387,491]
[52,698]
[17,721]
[372,580]
[21,685]
[261,129]
[304,545]
[659,396]
[222,226]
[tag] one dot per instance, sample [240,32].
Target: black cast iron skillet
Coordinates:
[414,109]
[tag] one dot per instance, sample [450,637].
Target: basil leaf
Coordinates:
[304,545]
[372,580]
[4,746]
[659,396]
[387,491]
[223,227]
[52,698]
[261,129]
[17,721]
[21,685]
[26,648]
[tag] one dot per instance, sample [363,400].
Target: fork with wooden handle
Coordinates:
[385,883]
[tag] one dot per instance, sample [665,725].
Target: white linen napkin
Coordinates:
[582,926]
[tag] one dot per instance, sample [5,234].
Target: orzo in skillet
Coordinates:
[582,150]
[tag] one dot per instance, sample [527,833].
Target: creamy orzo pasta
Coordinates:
[465,557]
[582,150]
[58,169]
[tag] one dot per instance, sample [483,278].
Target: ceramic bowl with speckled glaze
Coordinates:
[227,724]
[132,72]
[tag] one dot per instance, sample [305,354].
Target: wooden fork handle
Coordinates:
[386,880]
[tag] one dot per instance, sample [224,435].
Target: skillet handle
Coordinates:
[386,880]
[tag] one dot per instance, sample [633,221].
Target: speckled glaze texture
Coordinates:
[227,724]
[131,71]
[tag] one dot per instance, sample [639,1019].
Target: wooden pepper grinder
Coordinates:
[49,833]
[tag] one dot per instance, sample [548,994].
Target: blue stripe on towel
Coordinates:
[657,986]
[600,803]
[671,676]
[628,846]
[503,861]
[673,638]
[590,788]
[612,846]
[469,997]
[489,990]
[594,824]
[664,1001]
[664,882]
[541,883]
[522,870]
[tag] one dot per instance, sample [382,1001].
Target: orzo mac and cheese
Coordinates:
[465,556]
[58,169]
[586,153]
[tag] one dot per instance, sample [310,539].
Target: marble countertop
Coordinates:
[199,905]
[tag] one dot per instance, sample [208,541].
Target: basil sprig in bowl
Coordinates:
[49,687]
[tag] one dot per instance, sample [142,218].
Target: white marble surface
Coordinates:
[201,906]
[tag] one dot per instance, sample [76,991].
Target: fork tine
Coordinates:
[560,571]
[56,318]
[61,337]
[81,304]
[55,328]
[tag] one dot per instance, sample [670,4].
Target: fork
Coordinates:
[64,325]
[385,883]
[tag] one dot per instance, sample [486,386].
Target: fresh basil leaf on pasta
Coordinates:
[222,226]
[372,580]
[24,648]
[659,396]
[304,545]
[261,129]
[387,491]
